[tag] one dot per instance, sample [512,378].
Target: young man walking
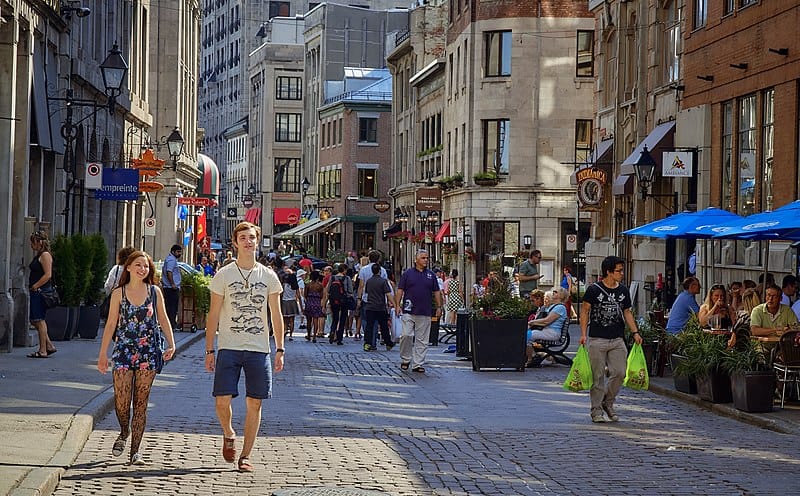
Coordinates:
[415,292]
[171,284]
[244,296]
[605,310]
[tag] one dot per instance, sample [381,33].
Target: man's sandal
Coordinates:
[405,365]
[245,465]
[229,449]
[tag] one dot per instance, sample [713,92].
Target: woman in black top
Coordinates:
[40,276]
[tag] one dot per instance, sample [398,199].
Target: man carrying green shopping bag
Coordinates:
[605,310]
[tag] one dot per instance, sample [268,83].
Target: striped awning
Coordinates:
[253,216]
[208,184]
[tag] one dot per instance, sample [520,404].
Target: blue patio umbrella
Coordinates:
[780,224]
[686,225]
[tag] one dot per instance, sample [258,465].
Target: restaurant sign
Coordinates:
[429,199]
[677,164]
[591,182]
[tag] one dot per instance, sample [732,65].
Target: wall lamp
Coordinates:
[780,51]
[467,236]
[677,87]
[645,167]
[70,7]
[708,78]
[527,241]
[741,65]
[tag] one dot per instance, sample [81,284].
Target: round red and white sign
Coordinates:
[93,169]
[149,223]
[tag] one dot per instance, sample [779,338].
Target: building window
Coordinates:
[745,3]
[287,175]
[368,183]
[672,42]
[585,62]
[747,155]
[289,88]
[583,140]
[367,130]
[767,142]
[340,130]
[728,6]
[287,128]
[727,155]
[498,53]
[700,13]
[495,145]
[281,9]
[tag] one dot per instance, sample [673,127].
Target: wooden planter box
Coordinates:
[498,344]
[715,387]
[753,391]
[683,383]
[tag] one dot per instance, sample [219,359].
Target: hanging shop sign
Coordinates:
[429,199]
[591,183]
[678,164]
[119,185]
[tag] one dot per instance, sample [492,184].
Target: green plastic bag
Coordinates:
[580,375]
[636,374]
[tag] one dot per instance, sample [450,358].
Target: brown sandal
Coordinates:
[229,449]
[245,465]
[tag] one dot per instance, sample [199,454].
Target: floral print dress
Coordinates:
[135,347]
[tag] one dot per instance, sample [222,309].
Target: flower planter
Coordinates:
[486,182]
[753,391]
[683,383]
[61,322]
[498,344]
[88,321]
[715,387]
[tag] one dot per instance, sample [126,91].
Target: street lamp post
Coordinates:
[113,69]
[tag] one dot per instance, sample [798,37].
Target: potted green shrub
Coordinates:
[704,353]
[752,378]
[95,255]
[195,289]
[651,334]
[458,179]
[498,331]
[486,178]
[678,343]
[61,320]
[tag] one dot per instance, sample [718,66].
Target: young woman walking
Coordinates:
[135,313]
[315,315]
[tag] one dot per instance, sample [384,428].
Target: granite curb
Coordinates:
[43,481]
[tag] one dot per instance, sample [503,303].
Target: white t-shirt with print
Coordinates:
[243,319]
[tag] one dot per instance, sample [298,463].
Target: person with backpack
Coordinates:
[337,292]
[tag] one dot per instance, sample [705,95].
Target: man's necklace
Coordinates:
[245,279]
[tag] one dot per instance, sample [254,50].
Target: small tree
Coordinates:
[65,273]
[99,270]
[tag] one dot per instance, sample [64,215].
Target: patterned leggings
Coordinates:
[132,386]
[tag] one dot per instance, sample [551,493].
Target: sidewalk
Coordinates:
[47,410]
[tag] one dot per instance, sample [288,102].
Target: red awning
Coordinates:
[443,231]
[253,215]
[286,216]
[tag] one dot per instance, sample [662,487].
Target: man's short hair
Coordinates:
[789,280]
[535,253]
[176,248]
[374,256]
[244,226]
[376,269]
[689,281]
[610,263]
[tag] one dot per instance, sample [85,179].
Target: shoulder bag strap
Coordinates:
[619,309]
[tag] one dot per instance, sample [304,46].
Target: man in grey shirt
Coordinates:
[376,309]
[528,275]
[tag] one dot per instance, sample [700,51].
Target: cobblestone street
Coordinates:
[344,418]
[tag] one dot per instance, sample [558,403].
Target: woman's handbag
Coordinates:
[636,376]
[50,296]
[580,375]
[159,343]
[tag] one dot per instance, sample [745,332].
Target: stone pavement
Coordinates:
[47,410]
[343,419]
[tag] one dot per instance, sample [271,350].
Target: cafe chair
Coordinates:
[787,364]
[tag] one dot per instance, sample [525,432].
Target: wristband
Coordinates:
[280,350]
[209,352]
[635,332]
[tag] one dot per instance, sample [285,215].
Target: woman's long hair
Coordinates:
[125,278]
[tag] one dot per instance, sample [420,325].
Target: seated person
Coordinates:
[537,298]
[735,295]
[772,318]
[750,300]
[716,304]
[548,326]
[684,306]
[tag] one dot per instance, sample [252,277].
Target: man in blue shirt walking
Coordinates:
[684,306]
[415,294]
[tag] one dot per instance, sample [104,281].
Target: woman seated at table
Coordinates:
[750,300]
[716,305]
[548,327]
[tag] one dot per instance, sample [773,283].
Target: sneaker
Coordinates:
[366,347]
[598,418]
[612,415]
[389,347]
[119,446]
[137,459]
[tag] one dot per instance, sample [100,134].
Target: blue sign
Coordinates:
[119,185]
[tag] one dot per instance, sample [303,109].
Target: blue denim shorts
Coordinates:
[257,374]
[37,310]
